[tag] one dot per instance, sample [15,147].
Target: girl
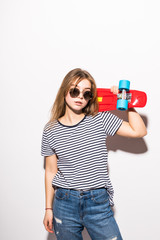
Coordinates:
[78,189]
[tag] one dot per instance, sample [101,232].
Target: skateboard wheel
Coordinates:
[124,84]
[122,104]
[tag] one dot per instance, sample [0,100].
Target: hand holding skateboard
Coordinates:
[123,100]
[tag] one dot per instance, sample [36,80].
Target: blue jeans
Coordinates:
[73,210]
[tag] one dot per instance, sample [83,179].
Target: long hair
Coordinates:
[59,106]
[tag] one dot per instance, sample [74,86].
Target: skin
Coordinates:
[134,128]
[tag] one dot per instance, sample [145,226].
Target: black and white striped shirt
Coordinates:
[81,151]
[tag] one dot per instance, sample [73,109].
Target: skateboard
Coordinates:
[125,99]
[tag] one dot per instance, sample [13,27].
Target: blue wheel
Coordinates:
[122,104]
[124,84]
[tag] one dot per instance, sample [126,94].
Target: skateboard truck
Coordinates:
[123,97]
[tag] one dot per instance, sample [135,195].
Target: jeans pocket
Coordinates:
[100,196]
[61,194]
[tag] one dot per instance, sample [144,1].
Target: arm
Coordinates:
[135,126]
[50,172]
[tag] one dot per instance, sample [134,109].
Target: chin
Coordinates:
[78,110]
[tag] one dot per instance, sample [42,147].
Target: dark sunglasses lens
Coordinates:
[87,95]
[74,92]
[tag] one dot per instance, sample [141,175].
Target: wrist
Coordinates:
[48,208]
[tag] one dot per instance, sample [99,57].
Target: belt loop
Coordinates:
[69,190]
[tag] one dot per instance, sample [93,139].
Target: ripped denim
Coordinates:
[73,210]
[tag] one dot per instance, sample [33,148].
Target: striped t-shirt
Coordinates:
[81,151]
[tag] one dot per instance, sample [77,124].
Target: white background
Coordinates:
[40,41]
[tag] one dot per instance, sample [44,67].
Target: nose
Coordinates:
[81,95]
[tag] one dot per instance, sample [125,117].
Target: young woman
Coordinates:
[78,189]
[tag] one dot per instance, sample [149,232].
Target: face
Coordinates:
[79,102]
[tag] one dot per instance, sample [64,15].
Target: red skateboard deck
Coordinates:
[108,101]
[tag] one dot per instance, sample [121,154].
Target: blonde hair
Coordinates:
[59,106]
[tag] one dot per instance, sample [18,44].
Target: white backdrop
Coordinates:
[41,40]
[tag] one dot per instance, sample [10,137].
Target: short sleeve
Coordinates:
[46,149]
[111,123]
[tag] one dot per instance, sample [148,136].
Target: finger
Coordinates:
[114,89]
[48,227]
[49,230]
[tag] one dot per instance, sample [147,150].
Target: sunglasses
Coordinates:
[74,92]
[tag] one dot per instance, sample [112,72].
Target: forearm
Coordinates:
[49,190]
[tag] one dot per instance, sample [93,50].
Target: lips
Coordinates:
[78,103]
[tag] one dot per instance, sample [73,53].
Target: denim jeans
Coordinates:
[75,209]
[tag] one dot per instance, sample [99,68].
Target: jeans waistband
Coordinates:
[81,190]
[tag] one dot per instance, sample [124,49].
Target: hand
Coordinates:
[48,219]
[114,90]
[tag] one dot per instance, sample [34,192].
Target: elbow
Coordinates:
[142,134]
[139,133]
[145,133]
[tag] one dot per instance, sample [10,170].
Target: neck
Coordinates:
[71,117]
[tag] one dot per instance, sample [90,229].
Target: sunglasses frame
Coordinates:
[74,95]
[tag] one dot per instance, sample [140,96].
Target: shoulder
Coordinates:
[98,118]
[50,126]
[101,115]
[106,117]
